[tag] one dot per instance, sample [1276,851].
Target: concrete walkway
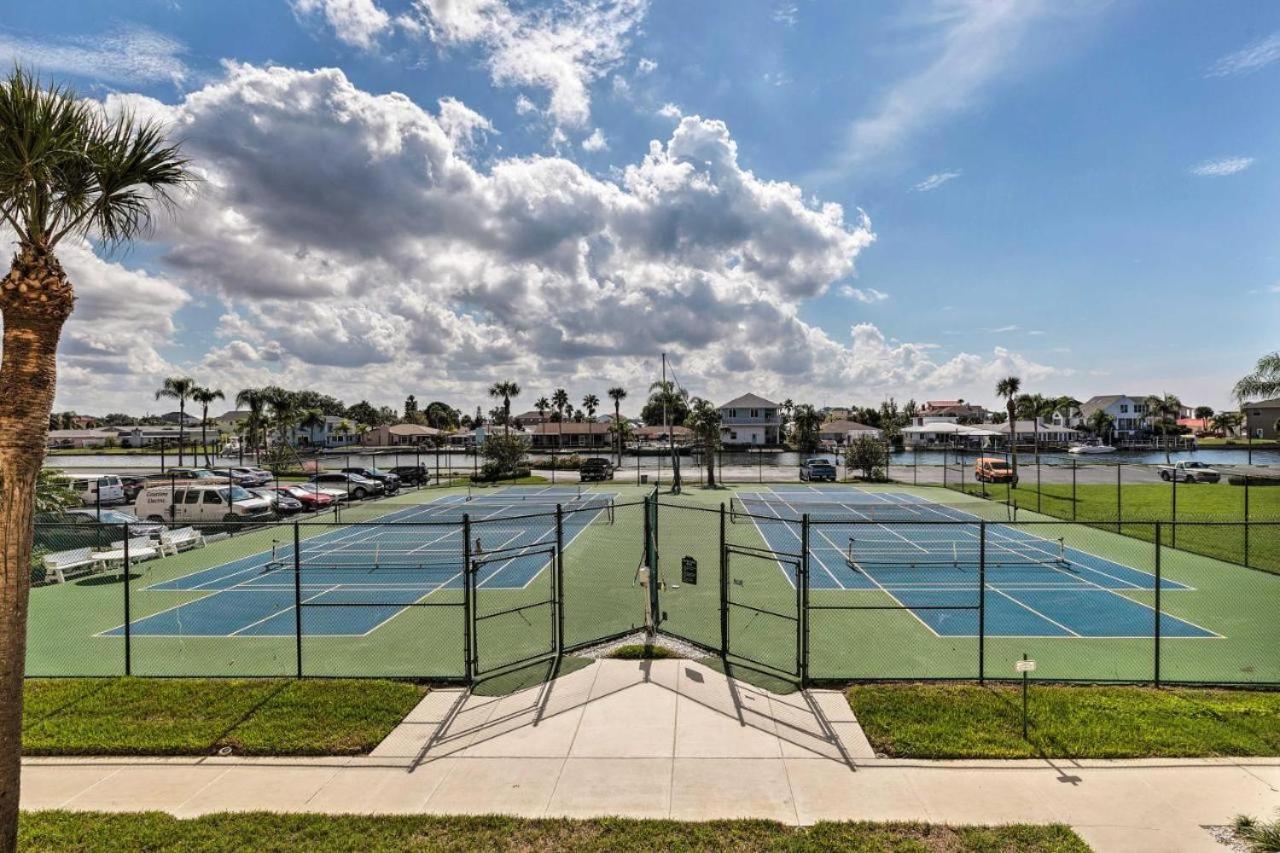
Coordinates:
[675,739]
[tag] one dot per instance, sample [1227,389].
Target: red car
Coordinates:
[310,500]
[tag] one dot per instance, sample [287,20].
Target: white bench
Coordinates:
[140,548]
[173,541]
[61,565]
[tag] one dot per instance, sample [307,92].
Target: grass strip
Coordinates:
[188,716]
[942,720]
[81,832]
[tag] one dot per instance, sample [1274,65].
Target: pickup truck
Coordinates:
[816,470]
[1189,472]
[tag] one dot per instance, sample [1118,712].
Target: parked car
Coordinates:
[353,485]
[249,477]
[199,503]
[595,468]
[181,474]
[80,527]
[282,502]
[989,469]
[1189,472]
[389,481]
[412,475]
[310,500]
[818,470]
[95,490]
[336,496]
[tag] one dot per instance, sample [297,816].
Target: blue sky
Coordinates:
[1084,194]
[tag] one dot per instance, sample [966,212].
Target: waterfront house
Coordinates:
[400,435]
[570,434]
[1128,414]
[844,431]
[750,420]
[1260,418]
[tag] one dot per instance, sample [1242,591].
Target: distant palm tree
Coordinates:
[807,425]
[284,410]
[591,402]
[704,420]
[505,391]
[343,429]
[1100,424]
[205,396]
[1226,422]
[787,408]
[560,399]
[617,394]
[1163,412]
[179,388]
[1263,382]
[1009,388]
[255,401]
[310,419]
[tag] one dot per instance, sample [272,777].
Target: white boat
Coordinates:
[1091,448]
[231,448]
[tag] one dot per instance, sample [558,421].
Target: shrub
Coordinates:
[868,455]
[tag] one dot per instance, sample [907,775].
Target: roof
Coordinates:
[942,404]
[658,429]
[750,401]
[843,426]
[948,428]
[1027,426]
[1274,401]
[569,428]
[412,429]
[106,432]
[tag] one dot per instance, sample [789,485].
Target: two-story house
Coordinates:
[1128,414]
[1260,418]
[750,420]
[331,433]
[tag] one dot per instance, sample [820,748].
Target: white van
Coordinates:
[95,491]
[192,503]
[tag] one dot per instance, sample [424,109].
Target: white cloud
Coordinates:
[1225,166]
[670,110]
[358,23]
[935,180]
[787,14]
[646,66]
[1003,329]
[1249,59]
[130,55]
[595,142]
[562,47]
[868,295]
[396,264]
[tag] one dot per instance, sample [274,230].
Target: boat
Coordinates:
[1091,448]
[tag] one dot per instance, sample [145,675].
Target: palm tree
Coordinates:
[560,399]
[255,401]
[704,420]
[1263,382]
[205,396]
[179,388]
[617,394]
[310,419]
[67,169]
[505,391]
[807,423]
[1009,388]
[591,402]
[1163,410]
[1100,424]
[1226,422]
[284,410]
[541,405]
[787,408]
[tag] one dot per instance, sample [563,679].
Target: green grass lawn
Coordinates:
[137,716]
[972,721]
[70,832]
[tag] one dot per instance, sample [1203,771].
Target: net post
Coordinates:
[1156,612]
[982,602]
[724,586]
[128,636]
[559,581]
[297,597]
[802,604]
[468,603]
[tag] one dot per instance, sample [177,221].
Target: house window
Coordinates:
[1124,408]
[755,413]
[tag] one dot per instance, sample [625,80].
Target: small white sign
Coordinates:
[1024,666]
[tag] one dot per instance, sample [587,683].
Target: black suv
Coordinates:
[389,481]
[412,475]
[595,469]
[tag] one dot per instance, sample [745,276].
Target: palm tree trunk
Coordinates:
[617,427]
[182,427]
[35,300]
[204,435]
[1013,442]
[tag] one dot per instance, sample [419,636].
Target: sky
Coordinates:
[824,201]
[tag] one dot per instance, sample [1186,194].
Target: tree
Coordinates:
[53,492]
[591,402]
[1226,422]
[284,410]
[504,456]
[205,396]
[505,391]
[676,401]
[1009,388]
[868,455]
[704,420]
[1163,410]
[617,394]
[1100,424]
[255,424]
[179,388]
[560,399]
[1034,407]
[787,407]
[309,419]
[363,413]
[441,415]
[1263,382]
[410,408]
[67,170]
[806,423]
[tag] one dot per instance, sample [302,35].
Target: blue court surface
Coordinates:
[1035,587]
[378,569]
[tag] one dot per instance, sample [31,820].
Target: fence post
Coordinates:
[982,602]
[915,465]
[1156,635]
[128,636]
[724,587]
[297,598]
[1173,532]
[802,604]
[1119,502]
[559,580]
[1074,466]
[1038,489]
[468,604]
[1246,521]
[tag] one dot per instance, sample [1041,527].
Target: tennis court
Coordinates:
[367,574]
[932,560]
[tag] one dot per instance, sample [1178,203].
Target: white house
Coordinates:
[1128,414]
[844,431]
[750,420]
[329,433]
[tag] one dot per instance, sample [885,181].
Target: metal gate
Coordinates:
[763,597]
[511,626]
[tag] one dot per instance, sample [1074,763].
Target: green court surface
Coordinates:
[849,633]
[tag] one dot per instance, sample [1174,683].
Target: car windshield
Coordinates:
[237,494]
[115,516]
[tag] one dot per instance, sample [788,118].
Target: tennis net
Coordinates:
[957,553]
[515,505]
[746,510]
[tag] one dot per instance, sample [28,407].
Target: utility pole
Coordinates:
[671,439]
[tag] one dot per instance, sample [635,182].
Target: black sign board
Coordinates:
[689,571]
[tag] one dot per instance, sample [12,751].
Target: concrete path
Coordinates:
[675,739]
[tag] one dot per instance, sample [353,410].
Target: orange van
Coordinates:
[990,469]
